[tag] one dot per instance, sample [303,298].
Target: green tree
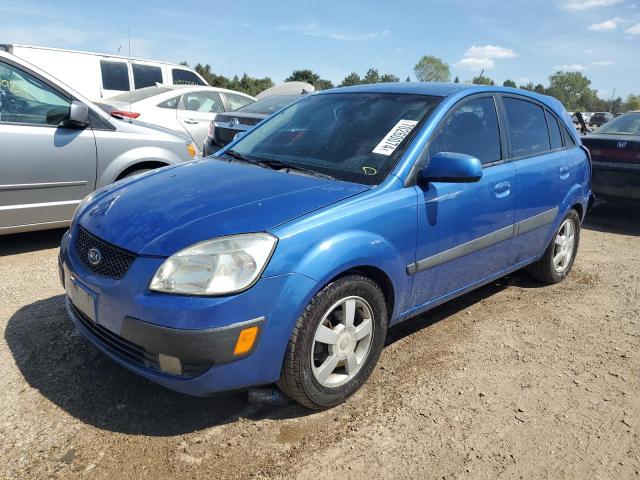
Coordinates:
[311,77]
[632,103]
[372,76]
[352,79]
[529,86]
[482,80]
[539,88]
[457,79]
[432,69]
[389,77]
[572,89]
[408,79]
[509,83]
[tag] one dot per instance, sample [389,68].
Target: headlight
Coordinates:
[215,267]
[192,150]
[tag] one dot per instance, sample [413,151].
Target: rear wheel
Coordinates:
[558,259]
[336,343]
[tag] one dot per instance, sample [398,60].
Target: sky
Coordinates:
[510,39]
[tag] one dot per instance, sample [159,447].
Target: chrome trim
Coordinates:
[31,186]
[39,205]
[600,165]
[480,243]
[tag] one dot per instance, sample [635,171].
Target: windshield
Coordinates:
[269,105]
[141,94]
[356,137]
[627,124]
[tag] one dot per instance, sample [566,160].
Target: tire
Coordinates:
[546,270]
[308,360]
[136,172]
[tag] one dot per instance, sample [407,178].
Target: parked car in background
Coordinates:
[56,147]
[615,152]
[186,109]
[600,118]
[225,126]
[285,257]
[99,75]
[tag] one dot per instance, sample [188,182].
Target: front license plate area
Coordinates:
[81,297]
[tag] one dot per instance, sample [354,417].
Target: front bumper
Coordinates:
[616,180]
[186,343]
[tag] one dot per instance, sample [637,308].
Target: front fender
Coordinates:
[344,251]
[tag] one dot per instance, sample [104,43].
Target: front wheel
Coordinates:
[556,263]
[336,343]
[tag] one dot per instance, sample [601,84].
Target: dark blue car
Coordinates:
[286,256]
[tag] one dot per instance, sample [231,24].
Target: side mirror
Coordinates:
[78,115]
[453,168]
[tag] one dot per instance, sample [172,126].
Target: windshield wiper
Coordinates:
[238,156]
[279,165]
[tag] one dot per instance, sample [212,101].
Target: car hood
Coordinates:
[165,211]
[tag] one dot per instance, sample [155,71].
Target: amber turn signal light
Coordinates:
[245,341]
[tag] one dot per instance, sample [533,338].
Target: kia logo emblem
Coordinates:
[233,122]
[94,256]
[622,144]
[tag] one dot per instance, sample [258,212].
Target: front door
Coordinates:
[195,112]
[465,230]
[45,169]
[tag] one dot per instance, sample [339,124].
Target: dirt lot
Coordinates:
[515,380]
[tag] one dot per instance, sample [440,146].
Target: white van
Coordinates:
[98,75]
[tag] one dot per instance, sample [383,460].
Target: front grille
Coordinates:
[114,262]
[129,350]
[241,120]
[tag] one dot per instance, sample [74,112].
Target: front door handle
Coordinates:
[502,189]
[191,121]
[564,172]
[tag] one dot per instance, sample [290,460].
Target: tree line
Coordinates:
[573,89]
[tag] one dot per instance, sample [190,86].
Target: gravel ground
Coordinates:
[515,380]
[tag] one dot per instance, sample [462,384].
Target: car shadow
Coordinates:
[17,243]
[614,218]
[62,365]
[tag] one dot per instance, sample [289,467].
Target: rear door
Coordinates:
[45,169]
[196,111]
[465,229]
[546,169]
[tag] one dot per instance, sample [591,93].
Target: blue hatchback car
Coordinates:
[286,256]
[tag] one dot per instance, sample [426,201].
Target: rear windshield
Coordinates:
[627,124]
[141,94]
[356,137]
[270,105]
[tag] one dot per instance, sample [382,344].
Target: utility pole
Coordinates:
[611,102]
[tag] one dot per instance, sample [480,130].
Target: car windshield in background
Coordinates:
[354,137]
[628,124]
[269,105]
[141,94]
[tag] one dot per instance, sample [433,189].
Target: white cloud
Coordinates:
[475,64]
[633,30]
[602,63]
[578,5]
[315,30]
[573,67]
[604,26]
[483,57]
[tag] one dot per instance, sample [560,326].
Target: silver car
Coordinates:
[56,147]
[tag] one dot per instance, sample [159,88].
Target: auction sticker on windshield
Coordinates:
[395,136]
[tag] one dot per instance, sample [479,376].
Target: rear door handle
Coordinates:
[564,172]
[502,189]
[191,121]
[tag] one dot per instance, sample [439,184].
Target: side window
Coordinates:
[26,99]
[206,102]
[237,101]
[171,103]
[568,139]
[527,127]
[185,77]
[115,75]
[555,135]
[473,130]
[146,75]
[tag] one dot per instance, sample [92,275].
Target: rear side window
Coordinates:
[527,127]
[146,75]
[568,139]
[237,101]
[171,103]
[555,135]
[185,77]
[473,130]
[115,75]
